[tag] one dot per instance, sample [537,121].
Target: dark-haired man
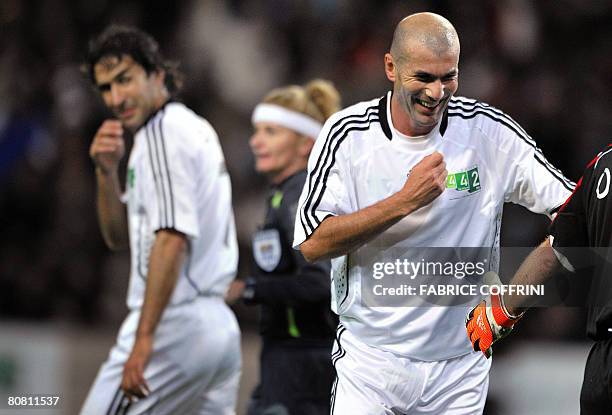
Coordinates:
[178,350]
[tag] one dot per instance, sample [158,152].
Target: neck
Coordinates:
[162,98]
[159,102]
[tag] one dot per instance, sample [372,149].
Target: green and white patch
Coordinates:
[464,180]
[131,176]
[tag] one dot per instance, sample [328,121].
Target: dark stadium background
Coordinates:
[62,293]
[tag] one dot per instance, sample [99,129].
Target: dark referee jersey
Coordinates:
[582,233]
[294,294]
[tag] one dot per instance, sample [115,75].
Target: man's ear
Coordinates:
[160,76]
[390,67]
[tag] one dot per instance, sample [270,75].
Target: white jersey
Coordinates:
[177,180]
[360,159]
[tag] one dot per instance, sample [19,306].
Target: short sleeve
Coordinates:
[325,192]
[173,201]
[583,221]
[528,178]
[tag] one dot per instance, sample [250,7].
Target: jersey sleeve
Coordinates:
[325,192]
[588,206]
[528,178]
[173,161]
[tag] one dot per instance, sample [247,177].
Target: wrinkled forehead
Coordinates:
[110,65]
[420,55]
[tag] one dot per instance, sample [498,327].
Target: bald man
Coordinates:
[390,182]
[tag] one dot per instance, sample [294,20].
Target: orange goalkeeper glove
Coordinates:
[488,322]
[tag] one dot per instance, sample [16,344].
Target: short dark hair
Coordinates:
[118,40]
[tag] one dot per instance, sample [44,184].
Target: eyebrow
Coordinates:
[422,74]
[106,85]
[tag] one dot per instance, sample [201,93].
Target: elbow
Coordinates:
[310,252]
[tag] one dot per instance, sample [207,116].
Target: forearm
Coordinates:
[167,256]
[111,211]
[539,267]
[339,235]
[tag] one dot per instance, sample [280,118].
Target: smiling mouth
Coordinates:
[127,113]
[429,105]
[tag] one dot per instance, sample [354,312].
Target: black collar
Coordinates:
[382,115]
[384,122]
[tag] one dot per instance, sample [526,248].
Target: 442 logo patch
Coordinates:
[464,180]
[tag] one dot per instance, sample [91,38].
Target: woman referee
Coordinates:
[296,324]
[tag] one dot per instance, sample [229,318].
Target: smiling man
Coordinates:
[178,350]
[464,159]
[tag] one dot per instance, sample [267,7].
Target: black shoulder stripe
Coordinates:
[330,158]
[155,170]
[338,126]
[471,106]
[498,115]
[558,176]
[507,121]
[472,113]
[162,173]
[333,160]
[171,215]
[314,175]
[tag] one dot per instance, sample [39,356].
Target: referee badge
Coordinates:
[267,249]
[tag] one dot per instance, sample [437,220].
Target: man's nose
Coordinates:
[435,90]
[116,96]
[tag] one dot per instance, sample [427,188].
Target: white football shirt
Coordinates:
[177,180]
[359,159]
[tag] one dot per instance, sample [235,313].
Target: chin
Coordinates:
[262,169]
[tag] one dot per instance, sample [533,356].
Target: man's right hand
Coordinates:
[426,181]
[108,147]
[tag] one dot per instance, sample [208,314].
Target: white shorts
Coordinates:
[371,381]
[194,368]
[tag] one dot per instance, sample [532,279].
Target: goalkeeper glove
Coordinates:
[488,322]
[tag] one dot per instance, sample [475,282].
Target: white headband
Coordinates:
[293,120]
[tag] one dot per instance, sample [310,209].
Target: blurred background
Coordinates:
[62,293]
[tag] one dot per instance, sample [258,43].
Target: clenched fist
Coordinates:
[108,146]
[426,181]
